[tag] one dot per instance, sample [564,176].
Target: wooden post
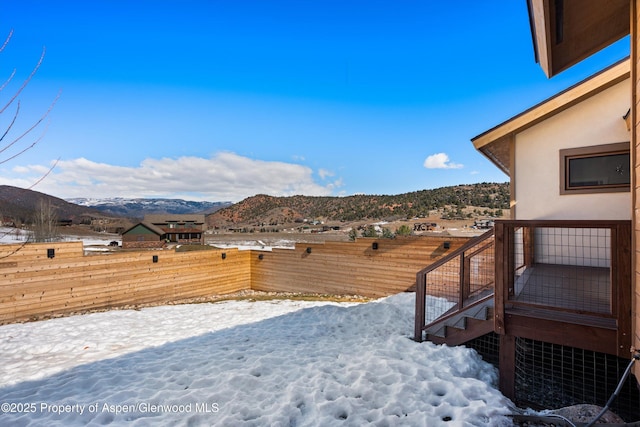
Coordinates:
[465,279]
[621,291]
[635,176]
[507,366]
[500,286]
[421,294]
[528,245]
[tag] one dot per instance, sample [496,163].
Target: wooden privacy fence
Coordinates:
[349,268]
[43,279]
[35,281]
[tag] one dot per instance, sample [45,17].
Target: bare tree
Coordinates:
[14,142]
[17,225]
[45,223]
[12,139]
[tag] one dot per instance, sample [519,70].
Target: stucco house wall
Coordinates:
[597,120]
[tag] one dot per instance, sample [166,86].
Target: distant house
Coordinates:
[144,235]
[483,224]
[182,229]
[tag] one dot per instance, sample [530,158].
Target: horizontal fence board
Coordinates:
[350,267]
[38,251]
[33,285]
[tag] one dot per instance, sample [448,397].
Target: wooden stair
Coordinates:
[465,278]
[459,326]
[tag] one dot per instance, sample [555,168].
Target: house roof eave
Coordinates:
[165,218]
[491,143]
[156,230]
[540,37]
[498,153]
[566,32]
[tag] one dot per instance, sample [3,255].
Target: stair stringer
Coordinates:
[463,325]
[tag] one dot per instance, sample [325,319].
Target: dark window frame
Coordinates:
[568,154]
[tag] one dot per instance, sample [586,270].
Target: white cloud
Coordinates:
[440,161]
[336,184]
[225,176]
[324,173]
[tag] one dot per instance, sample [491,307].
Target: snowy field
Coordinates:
[242,363]
[15,236]
[99,243]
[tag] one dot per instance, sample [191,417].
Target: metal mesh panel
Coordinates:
[553,376]
[550,376]
[469,275]
[443,283]
[487,346]
[481,271]
[568,268]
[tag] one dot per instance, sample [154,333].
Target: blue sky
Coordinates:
[222,100]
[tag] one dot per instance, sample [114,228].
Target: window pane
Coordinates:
[599,171]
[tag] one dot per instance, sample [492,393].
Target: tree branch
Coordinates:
[15,116]
[6,82]
[26,82]
[25,133]
[6,41]
[45,175]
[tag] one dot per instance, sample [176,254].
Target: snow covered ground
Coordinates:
[257,245]
[98,243]
[242,363]
[16,236]
[11,235]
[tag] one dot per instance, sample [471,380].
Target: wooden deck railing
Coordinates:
[577,270]
[456,281]
[558,272]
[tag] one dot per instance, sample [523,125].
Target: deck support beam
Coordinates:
[507,366]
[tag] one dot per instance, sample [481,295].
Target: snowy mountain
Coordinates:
[138,208]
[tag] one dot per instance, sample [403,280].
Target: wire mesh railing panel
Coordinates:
[481,266]
[587,247]
[561,267]
[473,269]
[442,285]
[466,273]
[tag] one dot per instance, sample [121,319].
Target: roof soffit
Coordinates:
[565,32]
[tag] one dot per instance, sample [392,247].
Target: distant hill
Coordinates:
[265,210]
[138,208]
[20,204]
[269,210]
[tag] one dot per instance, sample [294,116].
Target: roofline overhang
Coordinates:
[154,229]
[564,32]
[504,132]
[539,23]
